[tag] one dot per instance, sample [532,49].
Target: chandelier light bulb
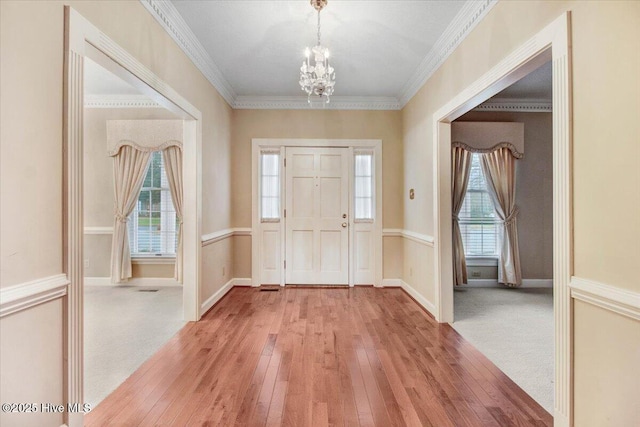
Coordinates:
[307,52]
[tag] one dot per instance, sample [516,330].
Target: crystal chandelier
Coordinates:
[317,77]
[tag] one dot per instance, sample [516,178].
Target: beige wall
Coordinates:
[31,78]
[606,107]
[98,189]
[534,191]
[384,125]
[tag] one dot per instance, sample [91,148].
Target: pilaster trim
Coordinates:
[611,298]
[29,294]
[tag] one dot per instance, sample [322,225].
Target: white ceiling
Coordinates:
[251,51]
[376,46]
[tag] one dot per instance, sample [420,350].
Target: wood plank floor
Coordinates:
[318,357]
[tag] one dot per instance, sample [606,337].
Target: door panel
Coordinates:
[317,197]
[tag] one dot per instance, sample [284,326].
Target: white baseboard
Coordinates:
[138,281]
[391,283]
[425,303]
[206,306]
[492,283]
[621,301]
[241,281]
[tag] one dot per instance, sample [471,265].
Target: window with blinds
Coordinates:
[153,224]
[478,221]
[364,186]
[269,186]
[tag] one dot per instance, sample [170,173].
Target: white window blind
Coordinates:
[152,224]
[270,186]
[478,221]
[364,191]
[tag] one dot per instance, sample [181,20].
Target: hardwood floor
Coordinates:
[318,357]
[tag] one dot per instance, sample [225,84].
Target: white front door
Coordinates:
[316,221]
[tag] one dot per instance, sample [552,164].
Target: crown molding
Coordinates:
[170,19]
[119,101]
[516,105]
[464,22]
[301,103]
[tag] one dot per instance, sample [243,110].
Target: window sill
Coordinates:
[158,260]
[476,261]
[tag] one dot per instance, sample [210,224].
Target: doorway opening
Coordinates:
[83,43]
[551,44]
[509,316]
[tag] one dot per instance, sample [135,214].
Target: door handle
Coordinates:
[344,225]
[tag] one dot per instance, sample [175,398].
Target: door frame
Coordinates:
[85,40]
[259,145]
[552,43]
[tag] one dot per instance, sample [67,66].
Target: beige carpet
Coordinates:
[514,329]
[123,327]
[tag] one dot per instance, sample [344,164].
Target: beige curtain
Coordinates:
[499,169]
[129,169]
[460,168]
[173,166]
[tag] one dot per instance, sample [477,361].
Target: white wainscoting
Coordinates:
[621,301]
[26,295]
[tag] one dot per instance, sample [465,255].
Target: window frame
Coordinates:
[372,179]
[260,186]
[141,256]
[480,221]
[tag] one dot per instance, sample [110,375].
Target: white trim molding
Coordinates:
[301,103]
[98,230]
[119,101]
[469,16]
[216,236]
[617,300]
[170,19]
[417,296]
[26,295]
[152,282]
[516,105]
[217,296]
[423,239]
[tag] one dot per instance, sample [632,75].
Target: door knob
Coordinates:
[344,225]
[344,215]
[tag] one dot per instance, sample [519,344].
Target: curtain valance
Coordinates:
[485,137]
[143,135]
[514,151]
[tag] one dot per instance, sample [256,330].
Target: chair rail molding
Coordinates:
[217,236]
[611,298]
[423,239]
[29,294]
